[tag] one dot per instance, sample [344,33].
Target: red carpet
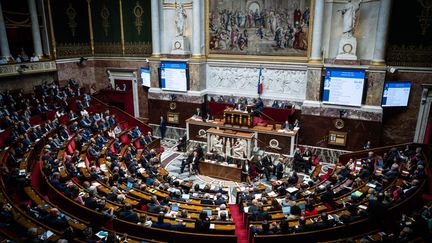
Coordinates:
[240,228]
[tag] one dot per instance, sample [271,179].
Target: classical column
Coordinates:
[4,44]
[155,28]
[316,55]
[196,28]
[37,44]
[381,34]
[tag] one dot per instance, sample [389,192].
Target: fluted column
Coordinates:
[4,44]
[37,44]
[196,28]
[382,33]
[155,28]
[316,54]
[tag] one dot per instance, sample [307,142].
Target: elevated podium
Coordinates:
[238,118]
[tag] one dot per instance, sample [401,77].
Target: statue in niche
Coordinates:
[180,19]
[349,14]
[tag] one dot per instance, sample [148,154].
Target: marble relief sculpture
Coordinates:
[239,148]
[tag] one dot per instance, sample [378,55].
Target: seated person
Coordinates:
[126,213]
[198,114]
[286,126]
[181,144]
[202,223]
[265,229]
[164,225]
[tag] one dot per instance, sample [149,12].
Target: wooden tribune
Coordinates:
[237,117]
[214,169]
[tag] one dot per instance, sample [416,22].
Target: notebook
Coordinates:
[185,196]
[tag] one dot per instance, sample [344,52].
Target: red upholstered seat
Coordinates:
[124,139]
[137,144]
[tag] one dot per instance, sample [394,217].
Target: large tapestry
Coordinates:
[259,27]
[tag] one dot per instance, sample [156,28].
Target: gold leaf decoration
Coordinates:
[105,13]
[138,12]
[425,16]
[71,14]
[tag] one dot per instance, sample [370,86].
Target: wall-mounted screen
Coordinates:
[396,94]
[173,76]
[343,86]
[145,76]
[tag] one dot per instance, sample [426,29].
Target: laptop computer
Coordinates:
[209,212]
[302,206]
[185,196]
[286,210]
[174,208]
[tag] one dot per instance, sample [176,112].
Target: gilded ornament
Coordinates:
[138,12]
[426,15]
[105,13]
[71,14]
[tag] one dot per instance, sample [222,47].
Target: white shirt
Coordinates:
[34,59]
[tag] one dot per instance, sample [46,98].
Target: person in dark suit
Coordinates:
[279,169]
[188,160]
[128,214]
[268,166]
[246,171]
[164,225]
[285,126]
[202,223]
[153,206]
[198,113]
[181,146]
[265,229]
[55,219]
[162,127]
[299,163]
[195,162]
[207,200]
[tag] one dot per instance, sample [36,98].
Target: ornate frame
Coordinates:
[257,57]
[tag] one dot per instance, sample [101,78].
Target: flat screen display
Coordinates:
[173,76]
[343,86]
[396,94]
[145,77]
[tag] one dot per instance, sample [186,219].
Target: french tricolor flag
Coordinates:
[260,81]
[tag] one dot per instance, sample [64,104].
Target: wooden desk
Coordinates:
[220,171]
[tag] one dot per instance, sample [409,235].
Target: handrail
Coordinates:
[123,113]
[271,119]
